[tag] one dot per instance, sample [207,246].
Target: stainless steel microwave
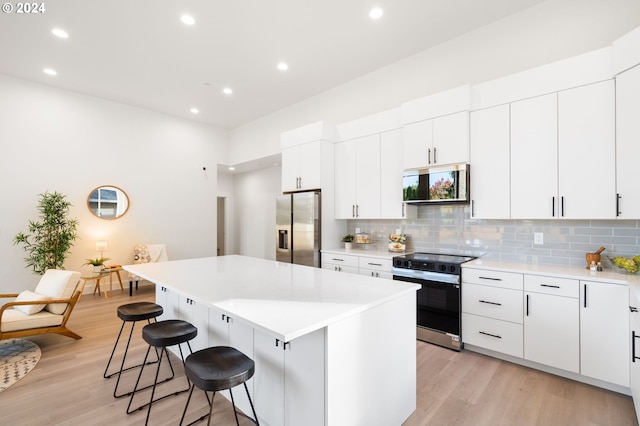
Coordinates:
[443,185]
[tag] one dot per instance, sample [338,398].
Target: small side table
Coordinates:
[97,277]
[114,269]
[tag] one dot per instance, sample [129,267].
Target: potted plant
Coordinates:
[98,263]
[348,241]
[49,240]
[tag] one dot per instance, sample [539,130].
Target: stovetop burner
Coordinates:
[434,262]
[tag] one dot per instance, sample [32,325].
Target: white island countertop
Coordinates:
[282,299]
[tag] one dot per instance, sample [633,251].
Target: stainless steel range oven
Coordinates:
[438,311]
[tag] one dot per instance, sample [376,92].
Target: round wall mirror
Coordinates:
[108,202]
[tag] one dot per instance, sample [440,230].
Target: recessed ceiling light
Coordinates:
[58,32]
[187,19]
[50,71]
[376,13]
[227,91]
[232,168]
[282,66]
[194,110]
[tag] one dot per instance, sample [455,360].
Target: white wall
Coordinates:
[550,31]
[56,140]
[255,212]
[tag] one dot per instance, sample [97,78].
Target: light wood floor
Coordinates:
[67,388]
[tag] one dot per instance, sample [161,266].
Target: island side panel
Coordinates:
[371,365]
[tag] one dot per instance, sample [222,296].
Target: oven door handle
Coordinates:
[399,273]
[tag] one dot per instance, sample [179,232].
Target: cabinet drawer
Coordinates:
[375,263]
[340,268]
[376,274]
[500,336]
[340,259]
[551,285]
[492,278]
[493,302]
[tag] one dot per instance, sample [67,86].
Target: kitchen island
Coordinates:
[330,348]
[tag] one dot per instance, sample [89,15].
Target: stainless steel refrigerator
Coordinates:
[298,228]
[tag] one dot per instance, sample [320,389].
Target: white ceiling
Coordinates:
[138,52]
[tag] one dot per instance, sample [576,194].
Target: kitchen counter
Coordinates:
[320,339]
[281,299]
[381,254]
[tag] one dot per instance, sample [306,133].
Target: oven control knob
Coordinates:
[443,268]
[452,269]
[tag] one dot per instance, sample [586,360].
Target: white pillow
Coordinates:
[30,296]
[58,284]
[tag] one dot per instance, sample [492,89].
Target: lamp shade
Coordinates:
[101,246]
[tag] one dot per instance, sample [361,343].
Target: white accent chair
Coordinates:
[44,310]
[146,253]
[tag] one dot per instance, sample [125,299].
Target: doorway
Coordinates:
[221,226]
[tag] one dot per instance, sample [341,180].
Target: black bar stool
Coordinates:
[131,312]
[215,369]
[160,335]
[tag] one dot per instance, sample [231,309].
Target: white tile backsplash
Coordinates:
[449,229]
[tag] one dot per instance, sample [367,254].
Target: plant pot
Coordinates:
[348,246]
[97,268]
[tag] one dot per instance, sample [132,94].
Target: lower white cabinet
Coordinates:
[604,331]
[634,355]
[293,372]
[375,267]
[169,301]
[340,262]
[371,266]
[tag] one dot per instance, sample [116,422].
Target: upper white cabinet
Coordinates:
[490,163]
[357,178]
[558,142]
[534,158]
[302,167]
[438,141]
[586,144]
[628,143]
[391,168]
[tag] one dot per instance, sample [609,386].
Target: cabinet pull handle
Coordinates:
[634,336]
[562,206]
[357,210]
[284,344]
[377,275]
[527,305]
[618,197]
[553,206]
[585,296]
[490,335]
[374,264]
[434,156]
[472,204]
[353,210]
[633,309]
[429,154]
[549,285]
[490,303]
[223,315]
[490,278]
[337,260]
[403,214]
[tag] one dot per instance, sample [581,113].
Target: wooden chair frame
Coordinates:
[59,329]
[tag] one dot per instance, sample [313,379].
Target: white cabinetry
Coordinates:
[634,362]
[492,310]
[357,178]
[557,141]
[604,332]
[293,372]
[534,158]
[627,143]
[302,166]
[195,313]
[340,262]
[552,322]
[391,168]
[375,267]
[169,301]
[489,157]
[438,141]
